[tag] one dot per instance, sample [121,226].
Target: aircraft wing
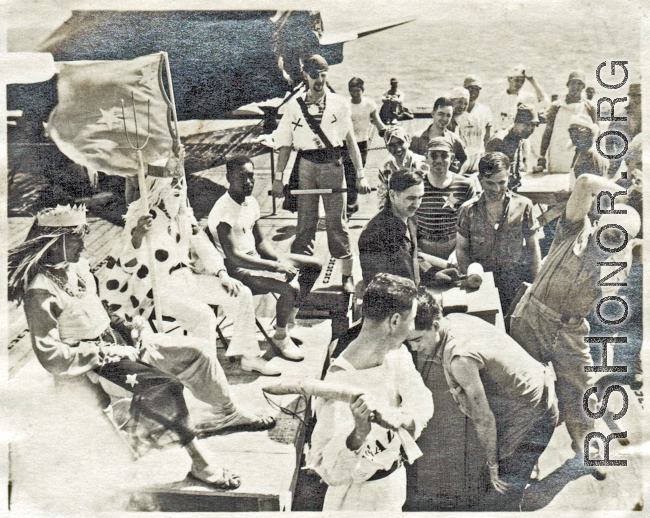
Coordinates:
[342,37]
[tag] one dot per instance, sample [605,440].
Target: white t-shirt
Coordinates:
[360,114]
[241,218]
[471,128]
[504,107]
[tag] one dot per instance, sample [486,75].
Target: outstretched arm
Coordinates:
[585,190]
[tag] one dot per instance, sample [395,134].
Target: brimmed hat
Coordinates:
[459,92]
[578,75]
[439,144]
[396,132]
[472,81]
[526,113]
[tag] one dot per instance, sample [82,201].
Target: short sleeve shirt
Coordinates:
[437,216]
[241,218]
[360,114]
[294,130]
[516,385]
[568,279]
[499,250]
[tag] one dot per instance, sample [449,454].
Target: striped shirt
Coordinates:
[437,217]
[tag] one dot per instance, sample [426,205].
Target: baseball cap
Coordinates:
[526,113]
[459,92]
[393,80]
[439,144]
[472,81]
[517,71]
[577,75]
[315,63]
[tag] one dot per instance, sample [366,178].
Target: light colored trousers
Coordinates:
[187,297]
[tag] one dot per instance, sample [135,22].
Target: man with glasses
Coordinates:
[317,123]
[444,193]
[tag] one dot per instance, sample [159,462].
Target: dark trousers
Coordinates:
[351,176]
[516,468]
[156,395]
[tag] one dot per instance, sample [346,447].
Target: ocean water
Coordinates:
[449,40]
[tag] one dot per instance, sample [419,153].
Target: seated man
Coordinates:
[250,257]
[494,229]
[389,241]
[397,143]
[354,446]
[508,395]
[73,335]
[190,274]
[444,193]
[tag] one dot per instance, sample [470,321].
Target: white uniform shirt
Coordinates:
[293,129]
[241,218]
[504,107]
[360,114]
[471,128]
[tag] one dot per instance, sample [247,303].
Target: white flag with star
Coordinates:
[87,124]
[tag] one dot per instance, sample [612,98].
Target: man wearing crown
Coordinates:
[73,335]
[189,272]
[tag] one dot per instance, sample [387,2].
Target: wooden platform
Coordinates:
[267,461]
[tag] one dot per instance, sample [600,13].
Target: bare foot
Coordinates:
[219,478]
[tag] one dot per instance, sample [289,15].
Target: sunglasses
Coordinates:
[315,74]
[443,154]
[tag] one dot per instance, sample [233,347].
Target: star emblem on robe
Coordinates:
[450,201]
[131,379]
[109,118]
[148,73]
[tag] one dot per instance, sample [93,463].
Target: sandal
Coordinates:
[226,481]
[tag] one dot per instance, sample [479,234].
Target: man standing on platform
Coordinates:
[363,111]
[317,124]
[558,118]
[474,126]
[508,395]
[251,259]
[355,447]
[549,321]
[495,230]
[504,105]
[444,193]
[513,142]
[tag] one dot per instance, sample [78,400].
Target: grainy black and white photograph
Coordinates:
[380,256]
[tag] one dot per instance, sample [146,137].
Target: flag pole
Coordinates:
[144,196]
[171,97]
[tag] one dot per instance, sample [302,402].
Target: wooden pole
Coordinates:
[144,196]
[171,97]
